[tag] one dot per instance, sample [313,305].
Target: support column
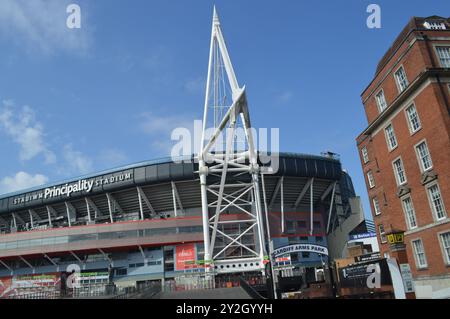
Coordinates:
[141,208]
[282,205]
[311,206]
[88,210]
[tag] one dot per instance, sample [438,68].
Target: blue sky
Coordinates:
[78,101]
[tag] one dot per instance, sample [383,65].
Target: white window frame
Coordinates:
[434,25]
[365,155]
[445,255]
[408,119]
[397,177]
[370,180]
[430,201]
[383,237]
[381,108]
[399,85]
[419,157]
[388,140]
[437,47]
[376,206]
[416,254]
[406,213]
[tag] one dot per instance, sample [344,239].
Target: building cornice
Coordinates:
[418,81]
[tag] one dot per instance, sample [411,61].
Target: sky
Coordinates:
[77,101]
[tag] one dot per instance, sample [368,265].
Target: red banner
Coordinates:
[184,256]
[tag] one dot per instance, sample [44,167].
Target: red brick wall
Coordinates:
[435,130]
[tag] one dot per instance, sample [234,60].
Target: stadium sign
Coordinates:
[83,185]
[300,248]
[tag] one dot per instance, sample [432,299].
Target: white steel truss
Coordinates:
[232,219]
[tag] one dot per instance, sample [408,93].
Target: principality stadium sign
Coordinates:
[300,248]
[83,185]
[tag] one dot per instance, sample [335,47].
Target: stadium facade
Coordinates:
[143,222]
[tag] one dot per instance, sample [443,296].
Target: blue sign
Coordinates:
[362,236]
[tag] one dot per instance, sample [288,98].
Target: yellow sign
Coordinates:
[397,238]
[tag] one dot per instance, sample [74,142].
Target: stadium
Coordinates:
[210,220]
[142,223]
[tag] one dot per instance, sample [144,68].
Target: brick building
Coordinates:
[405,150]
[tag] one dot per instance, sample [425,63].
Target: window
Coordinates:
[316,225]
[399,172]
[444,56]
[305,255]
[370,179]
[390,136]
[381,101]
[413,119]
[434,25]
[290,226]
[382,233]
[424,157]
[376,206]
[419,253]
[437,204]
[410,214]
[319,239]
[301,224]
[365,155]
[400,77]
[445,242]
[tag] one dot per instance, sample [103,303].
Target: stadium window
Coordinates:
[424,157]
[370,179]
[365,155]
[381,101]
[399,172]
[419,254]
[410,214]
[402,80]
[290,227]
[319,239]
[301,224]
[390,137]
[121,272]
[305,255]
[303,238]
[316,225]
[413,119]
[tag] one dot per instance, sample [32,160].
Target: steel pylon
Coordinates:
[229,171]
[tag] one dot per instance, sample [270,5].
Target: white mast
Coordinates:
[231,208]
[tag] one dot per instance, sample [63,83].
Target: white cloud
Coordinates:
[160,129]
[20,181]
[76,161]
[285,97]
[196,85]
[40,25]
[112,157]
[21,125]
